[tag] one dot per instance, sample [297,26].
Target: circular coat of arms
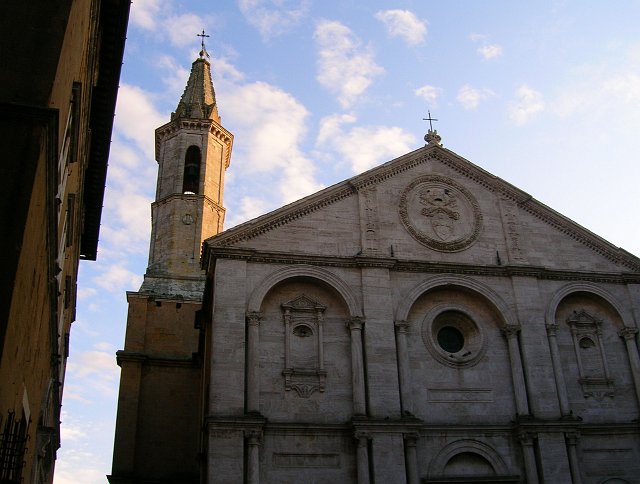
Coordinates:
[440,213]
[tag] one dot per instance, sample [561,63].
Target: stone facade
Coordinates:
[422,322]
[61,67]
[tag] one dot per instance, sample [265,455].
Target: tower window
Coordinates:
[191,178]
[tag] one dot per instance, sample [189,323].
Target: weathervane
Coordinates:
[432,136]
[203,52]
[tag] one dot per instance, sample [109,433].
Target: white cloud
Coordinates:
[345,67]
[182,29]
[97,371]
[273,17]
[403,24]
[491,51]
[429,93]
[275,136]
[118,280]
[145,13]
[625,87]
[487,51]
[470,97]
[364,146]
[137,118]
[528,103]
[475,37]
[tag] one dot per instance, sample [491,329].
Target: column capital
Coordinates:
[362,437]
[526,438]
[572,437]
[511,330]
[411,439]
[254,318]
[552,329]
[402,326]
[356,323]
[254,437]
[628,333]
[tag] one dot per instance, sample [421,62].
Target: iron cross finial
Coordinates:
[203,35]
[429,119]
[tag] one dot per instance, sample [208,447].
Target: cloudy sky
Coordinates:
[544,94]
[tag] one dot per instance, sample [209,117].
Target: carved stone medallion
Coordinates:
[440,213]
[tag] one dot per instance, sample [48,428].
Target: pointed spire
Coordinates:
[199,98]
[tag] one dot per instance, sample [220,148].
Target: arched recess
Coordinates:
[191,175]
[468,283]
[575,287]
[449,451]
[258,294]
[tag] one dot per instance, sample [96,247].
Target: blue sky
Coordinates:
[544,94]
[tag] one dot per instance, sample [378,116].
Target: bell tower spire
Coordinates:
[193,151]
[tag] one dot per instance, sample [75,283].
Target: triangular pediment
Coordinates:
[304,303]
[437,188]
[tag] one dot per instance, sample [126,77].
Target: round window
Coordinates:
[452,336]
[450,339]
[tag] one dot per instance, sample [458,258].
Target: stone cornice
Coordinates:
[527,203]
[135,357]
[427,154]
[167,130]
[188,196]
[288,258]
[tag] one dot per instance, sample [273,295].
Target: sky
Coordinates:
[545,95]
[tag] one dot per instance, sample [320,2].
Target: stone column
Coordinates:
[561,387]
[572,441]
[253,363]
[253,457]
[526,440]
[511,333]
[320,339]
[629,335]
[363,457]
[410,441]
[404,369]
[357,366]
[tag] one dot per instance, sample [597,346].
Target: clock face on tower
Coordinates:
[440,213]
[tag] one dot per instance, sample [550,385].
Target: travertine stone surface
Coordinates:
[474,274]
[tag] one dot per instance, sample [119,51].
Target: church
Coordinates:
[422,322]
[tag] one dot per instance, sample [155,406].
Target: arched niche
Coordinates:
[467,458]
[310,273]
[305,350]
[465,284]
[460,362]
[593,356]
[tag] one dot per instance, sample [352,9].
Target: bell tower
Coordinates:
[193,151]
[160,404]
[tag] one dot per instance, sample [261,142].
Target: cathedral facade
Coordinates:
[422,322]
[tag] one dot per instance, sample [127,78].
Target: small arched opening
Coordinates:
[191,177]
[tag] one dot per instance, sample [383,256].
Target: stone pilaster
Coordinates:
[511,333]
[362,457]
[629,336]
[253,363]
[404,368]
[356,326]
[561,386]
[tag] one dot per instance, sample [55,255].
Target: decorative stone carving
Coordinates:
[586,332]
[440,213]
[513,229]
[304,355]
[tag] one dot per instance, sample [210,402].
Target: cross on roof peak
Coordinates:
[203,52]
